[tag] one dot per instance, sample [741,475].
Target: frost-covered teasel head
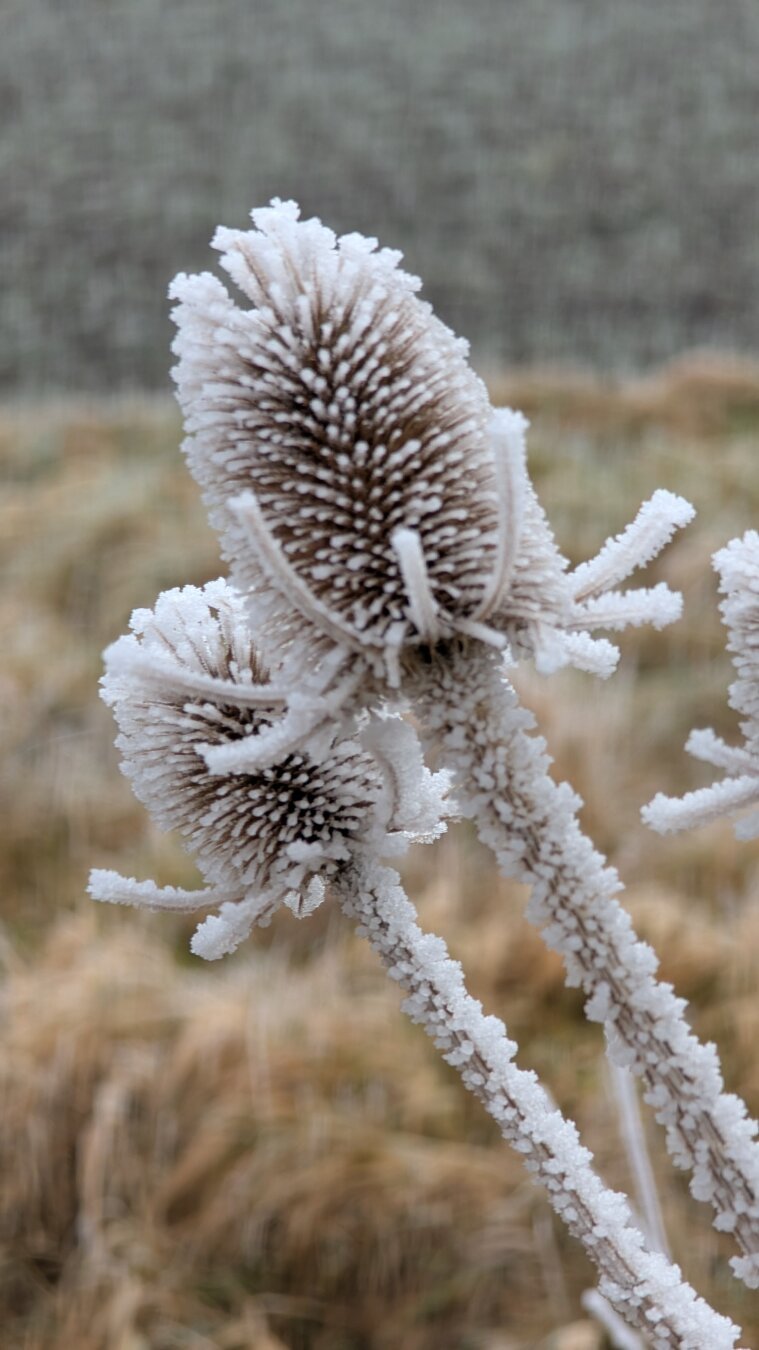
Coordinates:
[189,679]
[348,453]
[738,792]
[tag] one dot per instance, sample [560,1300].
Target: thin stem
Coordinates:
[634,1138]
[114,889]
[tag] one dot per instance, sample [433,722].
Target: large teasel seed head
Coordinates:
[342,441]
[189,679]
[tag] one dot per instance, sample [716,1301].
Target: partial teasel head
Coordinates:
[367,496]
[188,681]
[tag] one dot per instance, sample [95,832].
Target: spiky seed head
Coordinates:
[349,410]
[274,829]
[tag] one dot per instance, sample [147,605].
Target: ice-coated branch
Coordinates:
[641,1285]
[422,604]
[711,749]
[502,781]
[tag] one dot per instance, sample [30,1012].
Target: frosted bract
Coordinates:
[738,793]
[347,408]
[738,566]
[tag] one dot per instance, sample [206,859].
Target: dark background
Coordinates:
[574,181]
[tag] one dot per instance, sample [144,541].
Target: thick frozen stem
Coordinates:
[643,1286]
[502,782]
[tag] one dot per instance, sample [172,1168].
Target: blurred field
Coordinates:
[264,1154]
[573,183]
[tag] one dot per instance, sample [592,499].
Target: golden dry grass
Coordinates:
[265,1154]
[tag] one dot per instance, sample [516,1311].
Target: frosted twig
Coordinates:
[667,815]
[507,432]
[305,715]
[711,749]
[246,508]
[422,605]
[114,889]
[642,1285]
[125,657]
[738,568]
[597,656]
[502,782]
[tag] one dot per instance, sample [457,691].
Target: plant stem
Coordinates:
[642,1285]
[503,783]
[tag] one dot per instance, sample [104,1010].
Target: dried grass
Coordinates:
[264,1154]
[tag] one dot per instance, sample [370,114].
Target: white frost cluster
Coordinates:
[388,555]
[738,568]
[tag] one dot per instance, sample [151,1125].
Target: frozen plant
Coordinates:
[388,552]
[188,677]
[378,516]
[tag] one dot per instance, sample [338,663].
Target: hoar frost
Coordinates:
[388,554]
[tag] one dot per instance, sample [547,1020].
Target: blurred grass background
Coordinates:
[573,181]
[264,1154]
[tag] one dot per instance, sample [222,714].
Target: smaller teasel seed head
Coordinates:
[187,679]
